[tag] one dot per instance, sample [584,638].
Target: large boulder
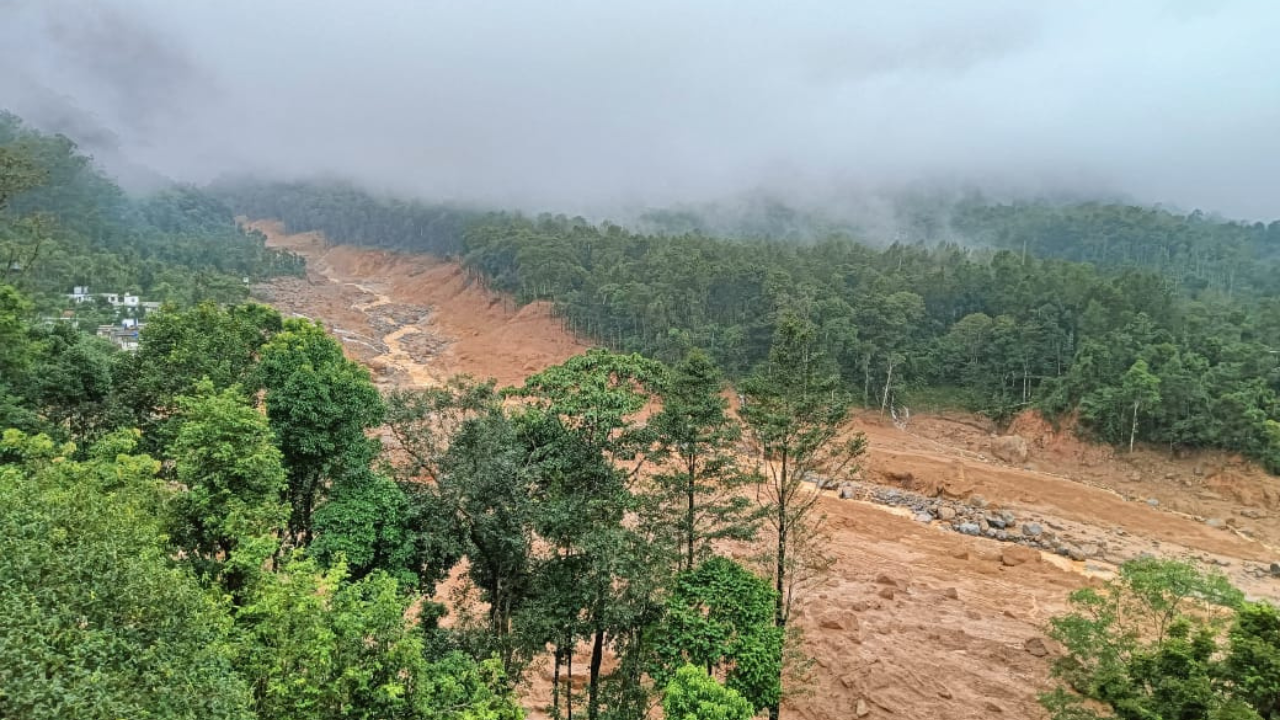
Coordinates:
[1010,448]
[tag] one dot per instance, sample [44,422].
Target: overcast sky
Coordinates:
[586,106]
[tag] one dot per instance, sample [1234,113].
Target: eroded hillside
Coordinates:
[917,618]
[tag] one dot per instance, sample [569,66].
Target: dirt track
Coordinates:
[913,620]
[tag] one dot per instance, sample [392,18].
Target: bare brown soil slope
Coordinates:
[414,318]
[912,620]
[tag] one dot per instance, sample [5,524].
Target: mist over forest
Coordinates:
[613,110]
[728,360]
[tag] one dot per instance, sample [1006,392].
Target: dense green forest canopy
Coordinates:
[63,223]
[1152,326]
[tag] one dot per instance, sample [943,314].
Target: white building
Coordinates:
[80,293]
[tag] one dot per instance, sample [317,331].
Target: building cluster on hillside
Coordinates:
[124,335]
[81,294]
[130,310]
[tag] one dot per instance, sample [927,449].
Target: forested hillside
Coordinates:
[1167,333]
[66,223]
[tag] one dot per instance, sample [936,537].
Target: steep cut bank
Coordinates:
[412,318]
[913,620]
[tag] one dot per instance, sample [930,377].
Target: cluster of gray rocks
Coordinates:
[976,517]
[973,516]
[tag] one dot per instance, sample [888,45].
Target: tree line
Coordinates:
[64,222]
[209,527]
[1145,325]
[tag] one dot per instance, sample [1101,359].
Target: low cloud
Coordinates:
[593,107]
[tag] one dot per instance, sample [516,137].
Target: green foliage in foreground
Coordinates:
[694,695]
[1165,640]
[719,616]
[98,622]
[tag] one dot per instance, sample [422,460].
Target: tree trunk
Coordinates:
[888,380]
[568,686]
[689,514]
[555,683]
[780,579]
[1133,432]
[866,381]
[597,656]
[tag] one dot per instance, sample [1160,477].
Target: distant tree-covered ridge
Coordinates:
[1154,327]
[65,223]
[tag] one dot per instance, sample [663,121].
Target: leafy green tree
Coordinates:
[795,409]
[367,523]
[225,517]
[487,477]
[1252,664]
[423,422]
[179,349]
[98,620]
[1140,389]
[319,404]
[321,646]
[578,425]
[1148,644]
[73,390]
[693,695]
[697,492]
[720,617]
[16,354]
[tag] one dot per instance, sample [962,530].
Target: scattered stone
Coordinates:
[992,707]
[923,517]
[969,528]
[1032,530]
[861,709]
[1253,514]
[846,491]
[995,522]
[1275,569]
[1009,518]
[883,579]
[1089,550]
[1010,448]
[837,620]
[978,501]
[1036,647]
[1215,523]
[886,592]
[946,512]
[1076,553]
[1134,476]
[1153,502]
[950,593]
[1014,555]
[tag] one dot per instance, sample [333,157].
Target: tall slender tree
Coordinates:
[795,409]
[697,493]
